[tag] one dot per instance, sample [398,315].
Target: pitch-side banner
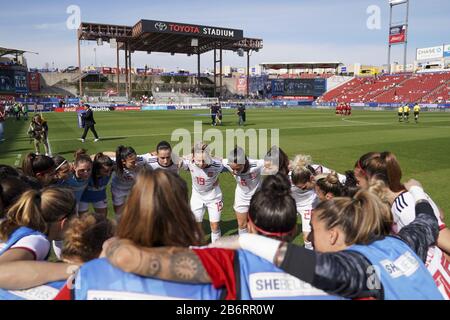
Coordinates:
[397,34]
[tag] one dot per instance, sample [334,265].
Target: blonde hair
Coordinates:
[301,169]
[363,218]
[85,236]
[37,209]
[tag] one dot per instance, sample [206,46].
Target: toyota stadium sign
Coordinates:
[430,53]
[190,29]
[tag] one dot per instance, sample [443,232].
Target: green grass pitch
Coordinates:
[423,149]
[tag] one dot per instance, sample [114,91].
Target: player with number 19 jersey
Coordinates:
[206,192]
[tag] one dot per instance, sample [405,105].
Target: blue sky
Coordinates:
[302,30]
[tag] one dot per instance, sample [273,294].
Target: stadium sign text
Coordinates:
[189,29]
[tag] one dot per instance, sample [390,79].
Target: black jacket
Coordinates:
[89,118]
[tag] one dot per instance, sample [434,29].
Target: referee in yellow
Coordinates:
[400,114]
[416,112]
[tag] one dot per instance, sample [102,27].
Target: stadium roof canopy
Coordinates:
[301,65]
[6,51]
[170,37]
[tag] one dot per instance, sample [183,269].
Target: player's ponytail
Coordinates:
[381,166]
[363,218]
[273,211]
[34,164]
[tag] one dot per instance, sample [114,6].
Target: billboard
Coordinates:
[34,81]
[447,50]
[187,29]
[299,87]
[7,81]
[241,85]
[430,53]
[397,34]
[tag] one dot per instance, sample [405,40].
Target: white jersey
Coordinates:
[319,169]
[305,200]
[125,181]
[403,211]
[205,182]
[250,181]
[153,163]
[38,245]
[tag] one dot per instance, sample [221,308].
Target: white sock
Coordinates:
[242,231]
[309,245]
[215,235]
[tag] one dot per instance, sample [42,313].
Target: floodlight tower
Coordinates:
[398,32]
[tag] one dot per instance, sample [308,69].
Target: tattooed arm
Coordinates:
[165,263]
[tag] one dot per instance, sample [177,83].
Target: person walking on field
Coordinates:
[89,123]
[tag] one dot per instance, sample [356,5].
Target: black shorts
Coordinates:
[400,114]
[416,113]
[407,114]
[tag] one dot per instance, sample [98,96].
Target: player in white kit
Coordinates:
[248,175]
[163,158]
[206,192]
[128,165]
[303,190]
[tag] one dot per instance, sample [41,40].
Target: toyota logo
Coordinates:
[161,26]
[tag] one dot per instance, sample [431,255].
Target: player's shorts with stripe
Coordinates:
[212,201]
[241,201]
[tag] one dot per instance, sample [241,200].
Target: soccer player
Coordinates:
[83,240]
[384,167]
[163,158]
[248,175]
[128,165]
[37,218]
[156,214]
[406,111]
[416,112]
[206,192]
[95,191]
[400,114]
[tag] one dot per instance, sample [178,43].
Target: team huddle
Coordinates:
[353,224]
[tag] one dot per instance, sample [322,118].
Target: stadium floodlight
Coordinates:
[194,42]
[99,41]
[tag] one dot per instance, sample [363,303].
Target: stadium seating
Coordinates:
[407,87]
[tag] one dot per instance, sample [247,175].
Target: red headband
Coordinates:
[268,233]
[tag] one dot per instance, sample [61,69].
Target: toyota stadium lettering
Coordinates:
[170,27]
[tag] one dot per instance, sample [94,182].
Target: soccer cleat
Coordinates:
[96,140]
[82,140]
